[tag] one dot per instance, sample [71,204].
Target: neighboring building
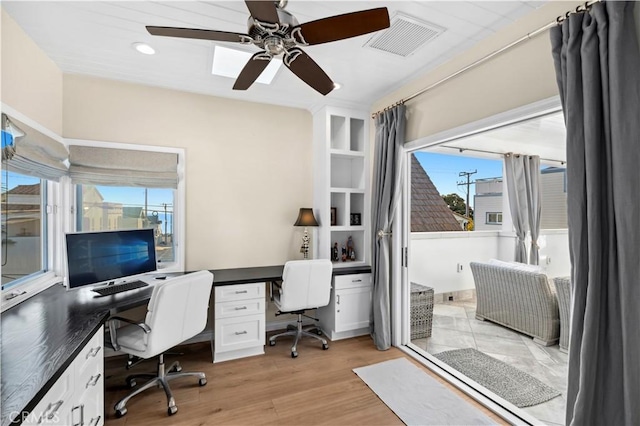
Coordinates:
[133,218]
[97,214]
[487,204]
[463,221]
[429,212]
[21,211]
[553,193]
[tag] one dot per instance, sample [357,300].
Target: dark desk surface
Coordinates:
[42,335]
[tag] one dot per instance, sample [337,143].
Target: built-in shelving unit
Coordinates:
[341,171]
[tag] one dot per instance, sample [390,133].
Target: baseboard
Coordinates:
[455,296]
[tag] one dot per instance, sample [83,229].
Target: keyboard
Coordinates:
[118,288]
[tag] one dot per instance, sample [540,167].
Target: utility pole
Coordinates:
[165,223]
[468,183]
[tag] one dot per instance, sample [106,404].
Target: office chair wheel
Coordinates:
[176,369]
[318,332]
[121,412]
[294,354]
[325,346]
[172,410]
[202,382]
[272,342]
[131,383]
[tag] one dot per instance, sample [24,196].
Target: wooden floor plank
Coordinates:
[317,388]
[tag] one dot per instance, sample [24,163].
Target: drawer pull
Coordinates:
[93,352]
[93,380]
[240,308]
[337,299]
[241,292]
[356,281]
[94,421]
[51,410]
[239,333]
[81,422]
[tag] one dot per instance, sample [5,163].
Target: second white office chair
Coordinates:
[306,284]
[177,311]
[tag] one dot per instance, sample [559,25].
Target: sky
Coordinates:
[444,171]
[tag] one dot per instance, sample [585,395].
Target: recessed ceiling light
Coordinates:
[229,63]
[144,48]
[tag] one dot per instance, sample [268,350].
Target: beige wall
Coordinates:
[248,165]
[31,82]
[521,76]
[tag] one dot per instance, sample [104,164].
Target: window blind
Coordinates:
[30,152]
[123,167]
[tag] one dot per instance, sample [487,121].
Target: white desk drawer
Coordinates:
[55,406]
[239,308]
[239,333]
[91,353]
[239,292]
[350,281]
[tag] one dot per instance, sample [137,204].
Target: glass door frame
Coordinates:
[400,314]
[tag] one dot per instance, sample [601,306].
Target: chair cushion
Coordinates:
[132,337]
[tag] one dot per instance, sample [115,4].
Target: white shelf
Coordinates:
[341,181]
[340,153]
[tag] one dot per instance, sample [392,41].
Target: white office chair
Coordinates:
[177,311]
[306,284]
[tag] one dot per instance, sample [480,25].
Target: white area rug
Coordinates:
[417,398]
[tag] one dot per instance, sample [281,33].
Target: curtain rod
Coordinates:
[548,160]
[581,8]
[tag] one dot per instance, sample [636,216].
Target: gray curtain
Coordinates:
[516,189]
[390,128]
[534,203]
[598,72]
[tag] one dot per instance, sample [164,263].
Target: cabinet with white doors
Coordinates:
[77,397]
[341,184]
[239,321]
[349,310]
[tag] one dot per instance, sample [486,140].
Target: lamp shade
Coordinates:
[306,218]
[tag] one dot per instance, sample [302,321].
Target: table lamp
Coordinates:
[305,218]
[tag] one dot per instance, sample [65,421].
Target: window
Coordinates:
[494,218]
[24,221]
[105,208]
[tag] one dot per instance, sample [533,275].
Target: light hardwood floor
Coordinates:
[318,387]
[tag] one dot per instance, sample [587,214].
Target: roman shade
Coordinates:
[123,167]
[32,153]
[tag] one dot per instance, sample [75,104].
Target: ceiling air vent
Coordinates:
[405,35]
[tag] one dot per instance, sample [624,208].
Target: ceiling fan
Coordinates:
[276,31]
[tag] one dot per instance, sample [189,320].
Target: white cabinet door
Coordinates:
[353,308]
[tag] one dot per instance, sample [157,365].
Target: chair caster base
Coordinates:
[121,412]
[294,354]
[202,382]
[272,342]
[132,383]
[172,410]
[325,346]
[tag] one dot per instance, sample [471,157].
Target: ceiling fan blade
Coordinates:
[264,11]
[198,34]
[344,26]
[308,71]
[251,71]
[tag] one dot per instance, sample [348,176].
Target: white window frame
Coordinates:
[488,221]
[39,281]
[179,211]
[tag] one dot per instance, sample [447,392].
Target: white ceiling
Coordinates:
[544,136]
[95,38]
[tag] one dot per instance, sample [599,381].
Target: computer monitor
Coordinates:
[95,258]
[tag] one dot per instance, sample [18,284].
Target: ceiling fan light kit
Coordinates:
[277,32]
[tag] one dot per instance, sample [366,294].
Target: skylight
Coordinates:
[229,62]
